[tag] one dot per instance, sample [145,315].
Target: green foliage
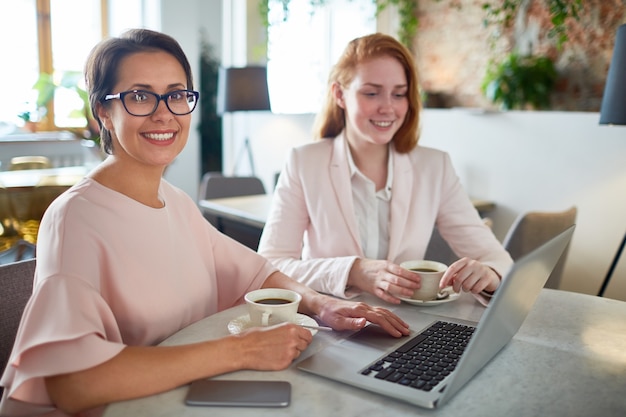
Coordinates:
[502,13]
[46,87]
[407,10]
[520,81]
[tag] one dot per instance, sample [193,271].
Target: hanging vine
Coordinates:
[502,13]
[498,12]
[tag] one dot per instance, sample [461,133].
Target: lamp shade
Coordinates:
[613,109]
[242,89]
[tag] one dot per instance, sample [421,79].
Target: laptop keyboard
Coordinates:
[426,359]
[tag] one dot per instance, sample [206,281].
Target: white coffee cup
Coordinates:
[269,306]
[430,273]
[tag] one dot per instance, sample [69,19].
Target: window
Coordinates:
[303,48]
[18,23]
[54,37]
[72,39]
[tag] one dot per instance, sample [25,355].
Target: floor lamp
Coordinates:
[243,89]
[613,112]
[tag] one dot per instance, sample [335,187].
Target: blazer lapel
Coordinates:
[342,187]
[401,192]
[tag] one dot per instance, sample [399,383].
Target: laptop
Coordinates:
[426,372]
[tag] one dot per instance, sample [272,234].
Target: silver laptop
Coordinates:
[430,372]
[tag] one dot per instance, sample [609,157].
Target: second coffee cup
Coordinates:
[269,306]
[431,273]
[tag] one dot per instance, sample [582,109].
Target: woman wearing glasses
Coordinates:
[125,259]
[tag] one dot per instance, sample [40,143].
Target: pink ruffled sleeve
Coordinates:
[66,327]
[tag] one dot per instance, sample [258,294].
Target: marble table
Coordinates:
[568,359]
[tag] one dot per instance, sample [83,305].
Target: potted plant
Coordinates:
[29,124]
[46,88]
[520,82]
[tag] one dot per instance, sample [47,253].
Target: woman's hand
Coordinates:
[384,279]
[349,315]
[273,348]
[470,276]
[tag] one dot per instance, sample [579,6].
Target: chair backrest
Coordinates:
[439,250]
[16,287]
[29,162]
[532,229]
[216,185]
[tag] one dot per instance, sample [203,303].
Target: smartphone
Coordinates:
[234,393]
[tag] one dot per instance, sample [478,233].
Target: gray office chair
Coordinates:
[439,250]
[532,229]
[16,286]
[217,185]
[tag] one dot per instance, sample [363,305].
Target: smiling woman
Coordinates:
[141,261]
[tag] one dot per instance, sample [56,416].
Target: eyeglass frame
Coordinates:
[160,97]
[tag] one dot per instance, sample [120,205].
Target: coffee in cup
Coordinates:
[431,273]
[269,306]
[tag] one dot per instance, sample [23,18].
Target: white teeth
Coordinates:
[159,136]
[382,124]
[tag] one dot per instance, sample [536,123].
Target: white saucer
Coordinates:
[451,297]
[242,323]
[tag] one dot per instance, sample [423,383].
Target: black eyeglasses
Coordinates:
[144,103]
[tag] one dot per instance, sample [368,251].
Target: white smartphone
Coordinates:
[234,393]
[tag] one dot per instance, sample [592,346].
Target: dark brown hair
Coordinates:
[331,120]
[101,69]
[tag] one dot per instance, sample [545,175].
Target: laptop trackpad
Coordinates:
[375,336]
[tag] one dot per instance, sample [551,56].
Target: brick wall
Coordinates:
[453,50]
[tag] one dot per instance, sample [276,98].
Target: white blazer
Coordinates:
[312,234]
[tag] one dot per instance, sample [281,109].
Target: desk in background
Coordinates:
[243,218]
[25,195]
[32,177]
[568,359]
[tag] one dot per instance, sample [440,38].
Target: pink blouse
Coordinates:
[112,272]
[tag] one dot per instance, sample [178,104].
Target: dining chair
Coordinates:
[16,286]
[217,185]
[29,162]
[532,229]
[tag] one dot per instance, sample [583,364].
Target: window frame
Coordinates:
[45,55]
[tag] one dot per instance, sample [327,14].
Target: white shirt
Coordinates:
[372,209]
